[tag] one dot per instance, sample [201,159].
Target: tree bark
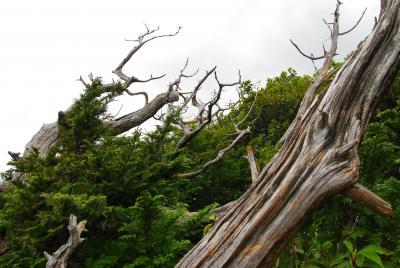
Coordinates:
[319,158]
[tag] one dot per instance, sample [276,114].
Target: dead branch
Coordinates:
[182,74]
[14,156]
[59,259]
[250,110]
[188,131]
[368,199]
[311,56]
[146,96]
[136,118]
[355,26]
[254,168]
[321,75]
[128,80]
[220,155]
[47,136]
[223,152]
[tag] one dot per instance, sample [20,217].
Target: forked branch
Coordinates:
[205,111]
[220,155]
[60,258]
[240,134]
[142,40]
[324,72]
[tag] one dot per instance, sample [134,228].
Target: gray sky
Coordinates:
[46,45]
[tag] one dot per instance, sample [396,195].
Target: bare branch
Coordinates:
[320,78]
[219,156]
[141,41]
[160,117]
[368,199]
[196,103]
[136,118]
[329,27]
[240,133]
[60,258]
[199,84]
[189,134]
[311,56]
[82,81]
[120,108]
[138,93]
[182,74]
[359,20]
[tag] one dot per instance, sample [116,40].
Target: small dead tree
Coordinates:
[59,259]
[318,158]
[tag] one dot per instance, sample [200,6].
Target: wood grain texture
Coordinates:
[319,158]
[368,199]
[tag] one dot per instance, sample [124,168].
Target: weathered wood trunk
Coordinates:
[319,158]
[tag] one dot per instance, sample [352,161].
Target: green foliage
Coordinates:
[357,258]
[278,102]
[137,206]
[125,187]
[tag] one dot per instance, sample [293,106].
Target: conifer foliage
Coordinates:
[136,204]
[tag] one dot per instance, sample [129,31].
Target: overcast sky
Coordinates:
[46,45]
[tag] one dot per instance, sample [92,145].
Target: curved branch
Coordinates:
[311,56]
[141,41]
[190,134]
[251,108]
[352,28]
[219,156]
[146,96]
[134,119]
[320,77]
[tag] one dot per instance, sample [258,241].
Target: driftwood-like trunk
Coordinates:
[319,158]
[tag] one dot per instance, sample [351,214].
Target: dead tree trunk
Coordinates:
[319,158]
